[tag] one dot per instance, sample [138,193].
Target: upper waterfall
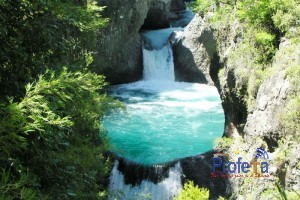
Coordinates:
[158,64]
[158,55]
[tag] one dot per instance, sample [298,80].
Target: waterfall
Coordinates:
[158,64]
[158,55]
[164,190]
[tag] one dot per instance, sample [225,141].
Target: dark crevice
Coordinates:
[272,143]
[135,173]
[235,110]
[156,19]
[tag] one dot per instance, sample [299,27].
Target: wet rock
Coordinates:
[192,58]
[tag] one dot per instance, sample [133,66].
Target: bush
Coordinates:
[53,135]
[223,143]
[192,192]
[258,12]
[202,6]
[36,35]
[286,14]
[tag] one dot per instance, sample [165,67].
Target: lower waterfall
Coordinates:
[164,190]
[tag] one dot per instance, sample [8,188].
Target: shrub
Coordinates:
[266,44]
[223,143]
[202,6]
[286,14]
[255,12]
[36,35]
[53,135]
[192,192]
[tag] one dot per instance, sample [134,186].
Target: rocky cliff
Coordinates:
[119,54]
[213,53]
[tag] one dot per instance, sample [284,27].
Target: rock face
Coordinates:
[196,59]
[204,56]
[191,68]
[269,103]
[177,5]
[119,54]
[198,169]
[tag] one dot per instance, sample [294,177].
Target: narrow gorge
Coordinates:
[162,121]
[205,54]
[150,99]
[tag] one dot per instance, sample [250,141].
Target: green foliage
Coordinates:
[202,6]
[274,19]
[53,134]
[264,38]
[36,35]
[286,14]
[192,192]
[292,195]
[51,139]
[223,143]
[271,194]
[20,188]
[85,17]
[290,118]
[11,124]
[266,44]
[257,13]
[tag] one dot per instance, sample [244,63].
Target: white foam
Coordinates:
[203,105]
[158,64]
[166,86]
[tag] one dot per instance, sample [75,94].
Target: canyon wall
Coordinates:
[214,55]
[212,52]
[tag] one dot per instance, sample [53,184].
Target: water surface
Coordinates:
[164,121]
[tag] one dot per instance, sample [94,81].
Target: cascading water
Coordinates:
[164,121]
[158,64]
[166,189]
[158,55]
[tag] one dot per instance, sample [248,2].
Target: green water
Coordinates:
[164,121]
